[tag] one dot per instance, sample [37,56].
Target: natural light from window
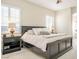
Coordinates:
[49,22]
[10,14]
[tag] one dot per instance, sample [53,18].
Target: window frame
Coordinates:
[9,15]
[53,21]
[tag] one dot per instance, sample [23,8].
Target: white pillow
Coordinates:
[38,30]
[30,32]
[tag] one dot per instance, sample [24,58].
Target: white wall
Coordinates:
[64,21]
[31,14]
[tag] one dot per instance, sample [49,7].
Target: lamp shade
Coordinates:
[12,25]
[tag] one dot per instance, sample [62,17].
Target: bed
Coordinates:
[53,49]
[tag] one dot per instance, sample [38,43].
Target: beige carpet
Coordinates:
[27,54]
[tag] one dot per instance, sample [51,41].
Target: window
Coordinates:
[10,14]
[49,22]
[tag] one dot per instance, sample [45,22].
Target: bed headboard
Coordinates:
[26,28]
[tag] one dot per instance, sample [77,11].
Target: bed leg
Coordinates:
[23,44]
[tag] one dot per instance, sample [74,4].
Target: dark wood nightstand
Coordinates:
[11,44]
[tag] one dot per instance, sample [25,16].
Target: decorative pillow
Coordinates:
[30,32]
[44,33]
[38,30]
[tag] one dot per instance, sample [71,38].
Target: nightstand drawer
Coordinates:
[12,43]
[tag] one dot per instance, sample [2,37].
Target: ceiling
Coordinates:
[51,4]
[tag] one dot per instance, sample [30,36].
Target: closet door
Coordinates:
[74,27]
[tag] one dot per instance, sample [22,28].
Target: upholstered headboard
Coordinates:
[26,28]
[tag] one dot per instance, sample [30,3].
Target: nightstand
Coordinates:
[11,44]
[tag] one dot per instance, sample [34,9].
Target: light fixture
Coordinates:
[58,1]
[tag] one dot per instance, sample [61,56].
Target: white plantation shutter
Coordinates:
[4,15]
[10,14]
[15,17]
[49,21]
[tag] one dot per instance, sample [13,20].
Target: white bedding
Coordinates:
[54,35]
[41,41]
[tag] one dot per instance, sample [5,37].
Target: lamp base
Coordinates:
[12,32]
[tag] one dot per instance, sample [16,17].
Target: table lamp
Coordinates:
[12,27]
